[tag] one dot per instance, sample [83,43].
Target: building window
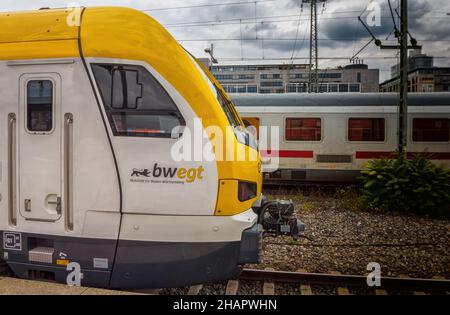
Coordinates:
[358,77]
[298,76]
[343,87]
[272,84]
[328,75]
[135,102]
[276,76]
[40,105]
[220,77]
[323,88]
[332,87]
[303,129]
[366,129]
[246,77]
[252,89]
[354,88]
[431,129]
[263,76]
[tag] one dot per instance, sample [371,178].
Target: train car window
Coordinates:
[431,129]
[40,105]
[303,129]
[366,129]
[136,103]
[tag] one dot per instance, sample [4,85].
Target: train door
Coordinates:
[39,147]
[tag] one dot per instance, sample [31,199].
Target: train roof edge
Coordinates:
[339,99]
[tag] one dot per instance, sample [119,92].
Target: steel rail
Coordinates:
[348,280]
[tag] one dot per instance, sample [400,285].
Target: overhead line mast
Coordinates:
[402,36]
[313,80]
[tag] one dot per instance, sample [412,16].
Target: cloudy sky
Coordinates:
[277,31]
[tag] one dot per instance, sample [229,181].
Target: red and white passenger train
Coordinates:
[330,137]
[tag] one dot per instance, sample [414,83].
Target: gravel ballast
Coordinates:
[346,240]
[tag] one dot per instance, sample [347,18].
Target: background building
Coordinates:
[293,78]
[422,75]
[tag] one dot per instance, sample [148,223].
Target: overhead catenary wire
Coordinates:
[261,21]
[286,39]
[251,19]
[207,5]
[321,58]
[297,31]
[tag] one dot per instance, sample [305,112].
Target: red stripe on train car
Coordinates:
[379,154]
[288,154]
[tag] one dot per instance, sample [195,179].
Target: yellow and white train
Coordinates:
[89,98]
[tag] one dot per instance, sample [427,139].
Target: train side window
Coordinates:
[40,105]
[303,129]
[136,103]
[366,129]
[431,129]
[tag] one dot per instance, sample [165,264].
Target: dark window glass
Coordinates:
[330,75]
[303,129]
[228,109]
[431,129]
[354,87]
[271,83]
[343,87]
[241,89]
[252,89]
[332,88]
[323,88]
[40,105]
[136,103]
[366,129]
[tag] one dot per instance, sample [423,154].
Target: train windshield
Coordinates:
[242,135]
[227,107]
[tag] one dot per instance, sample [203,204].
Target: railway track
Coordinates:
[270,281]
[307,283]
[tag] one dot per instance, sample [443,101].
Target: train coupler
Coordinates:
[278,217]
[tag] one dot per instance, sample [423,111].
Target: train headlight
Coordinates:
[246,190]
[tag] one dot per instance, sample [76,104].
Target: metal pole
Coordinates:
[311,45]
[316,51]
[403,85]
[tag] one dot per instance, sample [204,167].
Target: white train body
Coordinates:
[87,175]
[333,156]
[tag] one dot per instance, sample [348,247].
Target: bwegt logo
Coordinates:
[186,174]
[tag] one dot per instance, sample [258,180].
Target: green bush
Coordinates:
[407,185]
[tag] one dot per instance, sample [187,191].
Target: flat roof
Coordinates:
[415,70]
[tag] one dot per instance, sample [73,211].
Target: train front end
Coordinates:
[162,184]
